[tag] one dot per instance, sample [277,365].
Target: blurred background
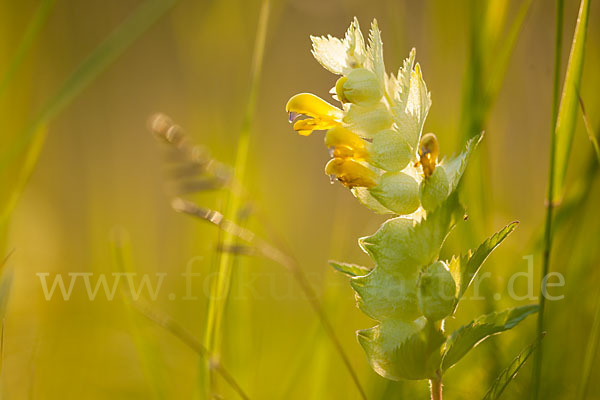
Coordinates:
[80,168]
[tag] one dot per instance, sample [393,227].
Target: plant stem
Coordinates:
[436,387]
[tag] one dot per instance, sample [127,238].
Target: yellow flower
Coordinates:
[351,173]
[346,144]
[322,115]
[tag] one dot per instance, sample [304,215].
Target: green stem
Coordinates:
[436,387]
[537,371]
[220,292]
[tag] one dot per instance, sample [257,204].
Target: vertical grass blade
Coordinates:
[6,277]
[149,359]
[218,300]
[33,29]
[567,113]
[563,127]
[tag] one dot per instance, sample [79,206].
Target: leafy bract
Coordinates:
[403,350]
[349,269]
[509,373]
[340,56]
[468,336]
[446,176]
[465,267]
[410,100]
[375,54]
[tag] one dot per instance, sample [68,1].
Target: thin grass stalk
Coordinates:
[188,339]
[31,32]
[24,174]
[275,254]
[148,358]
[590,130]
[218,300]
[537,366]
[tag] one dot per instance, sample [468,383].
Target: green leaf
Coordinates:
[567,113]
[349,269]
[509,373]
[464,268]
[468,336]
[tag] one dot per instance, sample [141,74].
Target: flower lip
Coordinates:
[321,115]
[312,106]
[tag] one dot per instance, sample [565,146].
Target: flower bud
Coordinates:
[436,292]
[398,192]
[360,86]
[429,150]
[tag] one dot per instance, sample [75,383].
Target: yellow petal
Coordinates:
[306,126]
[345,142]
[351,173]
[312,106]
[322,115]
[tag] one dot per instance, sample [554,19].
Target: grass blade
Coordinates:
[148,357]
[273,253]
[103,56]
[589,130]
[6,277]
[567,113]
[33,29]
[509,373]
[590,354]
[26,169]
[188,339]
[563,127]
[220,291]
